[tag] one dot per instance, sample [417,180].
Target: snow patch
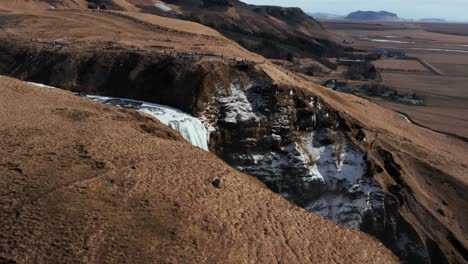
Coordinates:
[335,162]
[389,41]
[446,50]
[347,193]
[393,37]
[236,106]
[163,7]
[42,85]
[406,118]
[455,45]
[312,101]
[328,177]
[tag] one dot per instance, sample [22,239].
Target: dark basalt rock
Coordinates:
[217,183]
[220,3]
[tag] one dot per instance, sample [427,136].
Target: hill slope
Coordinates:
[274,32]
[84,182]
[271,31]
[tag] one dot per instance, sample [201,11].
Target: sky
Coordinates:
[453,10]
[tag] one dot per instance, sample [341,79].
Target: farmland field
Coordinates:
[438,74]
[447,64]
[400,65]
[445,97]
[452,69]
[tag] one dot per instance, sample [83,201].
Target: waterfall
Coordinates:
[191,128]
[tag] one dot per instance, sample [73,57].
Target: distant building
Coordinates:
[390,53]
[349,61]
[331,84]
[411,101]
[337,86]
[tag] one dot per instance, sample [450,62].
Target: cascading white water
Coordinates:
[42,85]
[191,128]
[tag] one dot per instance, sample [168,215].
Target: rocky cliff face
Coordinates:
[309,154]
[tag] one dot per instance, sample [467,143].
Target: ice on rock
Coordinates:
[191,128]
[163,7]
[236,106]
[347,193]
[42,85]
[406,118]
[312,101]
[332,172]
[389,41]
[334,162]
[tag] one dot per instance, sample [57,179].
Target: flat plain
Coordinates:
[437,70]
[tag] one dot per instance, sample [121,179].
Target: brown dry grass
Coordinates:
[445,98]
[83,29]
[400,65]
[441,57]
[181,25]
[424,34]
[42,4]
[83,182]
[452,69]
[449,64]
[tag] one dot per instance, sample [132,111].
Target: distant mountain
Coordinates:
[373,15]
[433,20]
[326,16]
